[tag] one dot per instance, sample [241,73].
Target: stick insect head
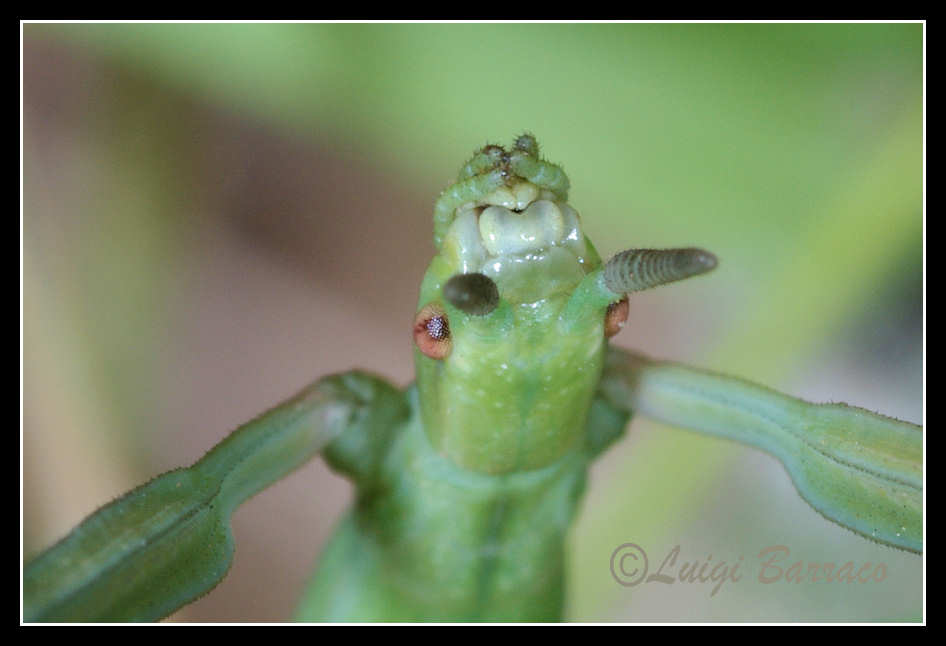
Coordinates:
[515,310]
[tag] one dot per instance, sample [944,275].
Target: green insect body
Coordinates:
[467,482]
[462,513]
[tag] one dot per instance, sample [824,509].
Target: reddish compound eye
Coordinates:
[616,317]
[432,332]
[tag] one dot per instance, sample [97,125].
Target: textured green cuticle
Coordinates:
[541,173]
[484,160]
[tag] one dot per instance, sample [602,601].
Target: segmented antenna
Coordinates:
[637,269]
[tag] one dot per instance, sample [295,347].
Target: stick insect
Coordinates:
[469,479]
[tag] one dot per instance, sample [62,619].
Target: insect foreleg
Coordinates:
[861,470]
[169,541]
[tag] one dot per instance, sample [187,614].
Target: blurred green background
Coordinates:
[215,215]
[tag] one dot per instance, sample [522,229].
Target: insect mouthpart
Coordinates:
[541,245]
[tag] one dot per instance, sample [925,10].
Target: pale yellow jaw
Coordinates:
[529,243]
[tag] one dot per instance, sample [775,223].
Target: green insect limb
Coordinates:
[857,468]
[541,173]
[169,541]
[484,160]
[606,425]
[359,451]
[468,190]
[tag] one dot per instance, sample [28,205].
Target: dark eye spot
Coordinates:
[616,317]
[432,332]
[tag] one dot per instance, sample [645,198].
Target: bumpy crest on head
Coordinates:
[507,219]
[491,169]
